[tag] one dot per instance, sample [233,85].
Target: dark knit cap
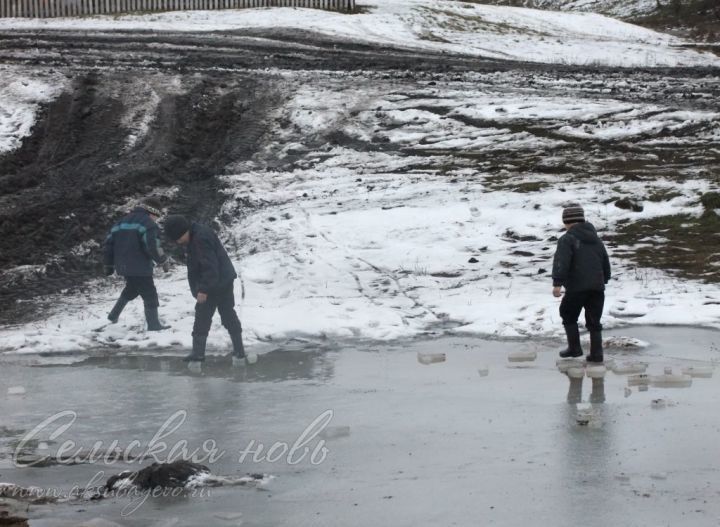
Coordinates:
[152,206]
[176,226]
[573,214]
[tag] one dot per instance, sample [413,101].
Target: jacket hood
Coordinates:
[585,232]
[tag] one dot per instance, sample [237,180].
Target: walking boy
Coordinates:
[211,275]
[582,267]
[130,249]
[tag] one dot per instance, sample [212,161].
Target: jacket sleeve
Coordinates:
[209,272]
[109,252]
[606,265]
[562,261]
[151,243]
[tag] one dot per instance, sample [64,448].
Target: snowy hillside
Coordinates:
[444,26]
[415,207]
[615,8]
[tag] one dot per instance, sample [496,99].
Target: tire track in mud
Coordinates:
[75,173]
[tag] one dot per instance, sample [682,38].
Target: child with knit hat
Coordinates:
[581,266]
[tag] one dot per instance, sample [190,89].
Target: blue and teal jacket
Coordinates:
[133,244]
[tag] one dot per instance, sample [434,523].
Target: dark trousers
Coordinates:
[141,286]
[574,302]
[222,299]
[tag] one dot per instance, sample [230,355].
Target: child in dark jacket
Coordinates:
[130,250]
[581,265]
[211,276]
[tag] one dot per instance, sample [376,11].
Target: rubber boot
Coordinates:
[114,314]
[596,347]
[238,348]
[198,350]
[153,322]
[573,339]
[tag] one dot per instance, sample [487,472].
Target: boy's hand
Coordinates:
[201,298]
[557,292]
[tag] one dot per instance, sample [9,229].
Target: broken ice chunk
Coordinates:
[576,373]
[16,390]
[624,368]
[698,371]
[430,358]
[195,366]
[483,371]
[563,365]
[596,371]
[671,380]
[252,358]
[522,356]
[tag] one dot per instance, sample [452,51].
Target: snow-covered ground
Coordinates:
[399,230]
[497,32]
[614,8]
[20,98]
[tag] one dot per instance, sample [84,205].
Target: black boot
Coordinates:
[114,314]
[238,348]
[596,347]
[573,339]
[198,350]
[153,322]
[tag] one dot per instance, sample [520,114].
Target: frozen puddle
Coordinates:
[367,430]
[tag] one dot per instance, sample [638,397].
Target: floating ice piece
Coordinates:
[658,403]
[252,358]
[522,356]
[430,358]
[628,392]
[643,388]
[334,432]
[16,390]
[195,366]
[624,368]
[624,343]
[659,475]
[576,373]
[698,371]
[642,379]
[563,365]
[596,371]
[483,371]
[584,416]
[670,380]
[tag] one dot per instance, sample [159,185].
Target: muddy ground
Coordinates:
[217,94]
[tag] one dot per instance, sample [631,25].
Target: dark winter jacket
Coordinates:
[133,244]
[209,266]
[581,261]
